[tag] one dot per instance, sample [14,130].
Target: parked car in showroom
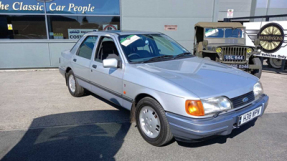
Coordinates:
[225,42]
[170,92]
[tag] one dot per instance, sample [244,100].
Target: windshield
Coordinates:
[144,47]
[224,33]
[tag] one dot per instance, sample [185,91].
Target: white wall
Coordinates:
[242,8]
[152,15]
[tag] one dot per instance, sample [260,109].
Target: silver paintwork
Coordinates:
[149,122]
[171,83]
[110,63]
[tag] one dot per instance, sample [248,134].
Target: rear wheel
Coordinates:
[152,123]
[257,72]
[74,88]
[275,63]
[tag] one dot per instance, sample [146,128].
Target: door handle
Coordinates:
[94,66]
[74,60]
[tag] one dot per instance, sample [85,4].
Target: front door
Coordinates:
[82,59]
[107,82]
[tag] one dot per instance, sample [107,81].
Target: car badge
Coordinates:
[245,99]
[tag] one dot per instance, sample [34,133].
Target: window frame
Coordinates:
[78,50]
[99,44]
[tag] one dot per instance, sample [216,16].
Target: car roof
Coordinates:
[122,32]
[219,24]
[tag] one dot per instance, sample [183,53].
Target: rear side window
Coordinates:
[87,46]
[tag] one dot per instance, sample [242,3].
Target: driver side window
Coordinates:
[106,49]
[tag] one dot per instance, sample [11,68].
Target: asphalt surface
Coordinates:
[40,120]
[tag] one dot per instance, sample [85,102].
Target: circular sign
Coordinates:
[110,27]
[271,37]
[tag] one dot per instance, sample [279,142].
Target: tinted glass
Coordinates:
[142,47]
[26,6]
[74,27]
[86,48]
[22,27]
[99,7]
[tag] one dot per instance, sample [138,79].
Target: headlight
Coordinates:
[249,50]
[207,106]
[218,50]
[217,104]
[257,90]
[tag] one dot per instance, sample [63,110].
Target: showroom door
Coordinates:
[107,82]
[82,59]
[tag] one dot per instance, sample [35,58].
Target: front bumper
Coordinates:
[188,129]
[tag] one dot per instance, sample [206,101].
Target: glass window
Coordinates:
[235,33]
[214,33]
[107,49]
[86,48]
[26,6]
[22,27]
[142,47]
[99,7]
[224,33]
[74,27]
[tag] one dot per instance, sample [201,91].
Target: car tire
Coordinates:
[155,121]
[74,88]
[274,63]
[257,72]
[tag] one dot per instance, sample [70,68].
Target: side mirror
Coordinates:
[204,43]
[110,63]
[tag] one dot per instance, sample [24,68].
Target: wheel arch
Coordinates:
[67,71]
[137,99]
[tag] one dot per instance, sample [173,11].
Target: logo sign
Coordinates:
[271,37]
[230,13]
[170,27]
[110,27]
[78,33]
[245,99]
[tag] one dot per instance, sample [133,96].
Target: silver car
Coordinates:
[170,92]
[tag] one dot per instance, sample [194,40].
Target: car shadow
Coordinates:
[218,139]
[86,135]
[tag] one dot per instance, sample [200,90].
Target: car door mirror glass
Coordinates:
[110,63]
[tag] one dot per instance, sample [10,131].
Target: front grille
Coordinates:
[238,101]
[236,51]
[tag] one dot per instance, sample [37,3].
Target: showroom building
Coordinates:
[34,32]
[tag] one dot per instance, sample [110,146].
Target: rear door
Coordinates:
[107,82]
[82,59]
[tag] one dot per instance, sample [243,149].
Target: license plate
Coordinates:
[249,115]
[234,57]
[240,66]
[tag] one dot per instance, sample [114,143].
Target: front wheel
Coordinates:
[257,72]
[152,122]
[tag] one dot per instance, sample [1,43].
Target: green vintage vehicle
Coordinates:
[225,42]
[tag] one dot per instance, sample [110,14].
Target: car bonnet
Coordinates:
[203,77]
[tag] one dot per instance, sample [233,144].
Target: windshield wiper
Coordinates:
[182,55]
[162,57]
